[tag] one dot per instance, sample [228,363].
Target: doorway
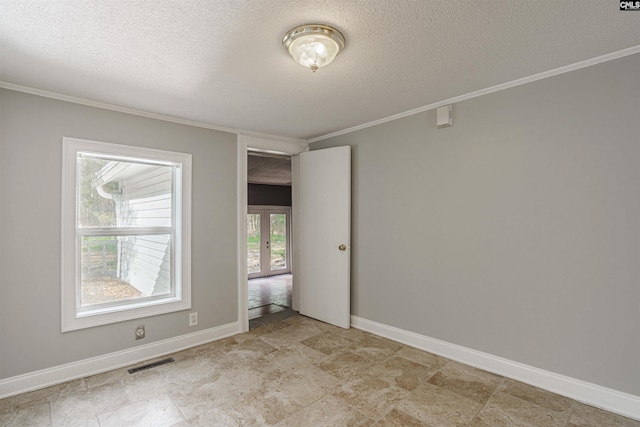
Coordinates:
[268,235]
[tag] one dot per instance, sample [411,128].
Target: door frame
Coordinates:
[268,210]
[288,146]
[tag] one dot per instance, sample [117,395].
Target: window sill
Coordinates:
[107,315]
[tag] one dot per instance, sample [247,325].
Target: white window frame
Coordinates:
[73,317]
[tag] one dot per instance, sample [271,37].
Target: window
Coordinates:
[125,233]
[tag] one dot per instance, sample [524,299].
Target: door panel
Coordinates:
[268,241]
[325,226]
[254,243]
[278,238]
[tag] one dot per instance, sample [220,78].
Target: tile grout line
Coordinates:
[401,401]
[409,392]
[571,409]
[168,394]
[51,413]
[502,380]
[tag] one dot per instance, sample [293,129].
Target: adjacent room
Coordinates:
[380,213]
[268,235]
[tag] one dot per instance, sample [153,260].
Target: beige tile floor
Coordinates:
[301,372]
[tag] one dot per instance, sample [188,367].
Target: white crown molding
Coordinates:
[135,112]
[270,145]
[572,67]
[608,399]
[95,365]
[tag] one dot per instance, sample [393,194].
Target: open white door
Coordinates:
[323,276]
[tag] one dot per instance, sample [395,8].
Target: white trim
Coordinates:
[71,317]
[141,113]
[608,399]
[95,365]
[274,138]
[295,229]
[567,68]
[246,142]
[243,291]
[270,145]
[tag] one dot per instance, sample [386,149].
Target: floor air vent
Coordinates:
[151,365]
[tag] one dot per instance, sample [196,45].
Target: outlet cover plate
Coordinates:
[193,319]
[140,332]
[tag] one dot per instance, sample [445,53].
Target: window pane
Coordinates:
[122,268]
[253,243]
[94,210]
[119,193]
[278,242]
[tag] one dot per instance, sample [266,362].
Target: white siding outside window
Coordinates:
[125,233]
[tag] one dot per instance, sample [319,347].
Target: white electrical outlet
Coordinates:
[193,319]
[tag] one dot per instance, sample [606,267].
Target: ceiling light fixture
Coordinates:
[313,45]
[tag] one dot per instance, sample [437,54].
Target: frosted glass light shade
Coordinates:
[313,45]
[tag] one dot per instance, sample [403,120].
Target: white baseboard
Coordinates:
[95,365]
[608,399]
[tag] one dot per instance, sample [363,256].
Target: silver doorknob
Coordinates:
[342,247]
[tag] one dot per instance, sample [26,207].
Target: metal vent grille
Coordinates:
[151,365]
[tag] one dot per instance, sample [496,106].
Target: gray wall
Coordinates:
[31,131]
[515,232]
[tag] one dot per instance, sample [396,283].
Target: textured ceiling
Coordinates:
[221,62]
[270,169]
